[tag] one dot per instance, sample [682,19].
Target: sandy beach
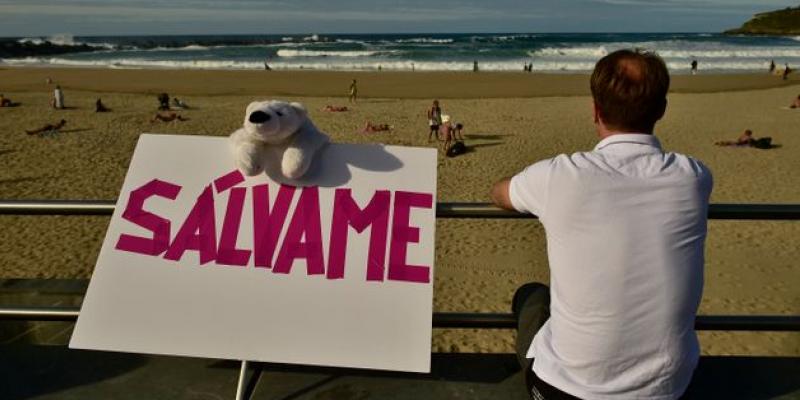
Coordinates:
[511,120]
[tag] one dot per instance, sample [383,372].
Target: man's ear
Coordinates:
[595,113]
[300,109]
[663,110]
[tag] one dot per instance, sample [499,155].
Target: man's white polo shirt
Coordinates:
[626,227]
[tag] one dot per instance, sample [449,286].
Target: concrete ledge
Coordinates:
[55,372]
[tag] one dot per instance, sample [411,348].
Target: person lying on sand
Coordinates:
[795,103]
[747,140]
[330,108]
[168,117]
[4,102]
[100,107]
[370,128]
[48,129]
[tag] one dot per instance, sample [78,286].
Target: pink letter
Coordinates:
[305,225]
[267,225]
[228,181]
[346,212]
[136,214]
[198,232]
[227,253]
[403,234]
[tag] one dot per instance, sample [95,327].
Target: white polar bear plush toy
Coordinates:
[276,136]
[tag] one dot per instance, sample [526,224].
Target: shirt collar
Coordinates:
[637,138]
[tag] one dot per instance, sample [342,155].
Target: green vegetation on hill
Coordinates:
[779,22]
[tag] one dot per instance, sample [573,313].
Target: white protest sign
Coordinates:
[199,261]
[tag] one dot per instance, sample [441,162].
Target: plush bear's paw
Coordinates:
[248,168]
[294,164]
[248,159]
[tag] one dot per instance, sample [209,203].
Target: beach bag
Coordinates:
[457,149]
[763,143]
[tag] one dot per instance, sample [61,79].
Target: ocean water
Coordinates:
[549,52]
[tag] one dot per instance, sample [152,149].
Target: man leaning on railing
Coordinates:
[626,227]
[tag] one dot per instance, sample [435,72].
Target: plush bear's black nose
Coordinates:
[259,117]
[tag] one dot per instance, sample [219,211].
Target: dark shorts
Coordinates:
[434,127]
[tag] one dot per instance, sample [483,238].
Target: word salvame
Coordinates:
[303,238]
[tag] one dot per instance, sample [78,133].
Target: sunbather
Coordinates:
[370,128]
[48,129]
[168,117]
[747,140]
[330,108]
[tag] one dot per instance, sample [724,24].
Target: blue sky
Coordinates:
[119,17]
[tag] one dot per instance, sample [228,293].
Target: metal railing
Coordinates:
[443,210]
[466,320]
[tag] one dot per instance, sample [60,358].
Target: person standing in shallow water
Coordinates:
[625,225]
[353,93]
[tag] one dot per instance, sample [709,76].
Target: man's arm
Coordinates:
[500,194]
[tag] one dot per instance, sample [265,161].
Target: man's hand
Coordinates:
[500,195]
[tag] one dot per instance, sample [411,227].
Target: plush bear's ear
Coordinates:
[251,107]
[301,110]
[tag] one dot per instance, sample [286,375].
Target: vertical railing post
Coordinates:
[240,385]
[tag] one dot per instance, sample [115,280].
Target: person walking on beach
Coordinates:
[475,66]
[434,119]
[57,101]
[353,92]
[786,71]
[771,66]
[625,225]
[694,67]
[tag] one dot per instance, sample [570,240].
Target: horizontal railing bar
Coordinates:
[57,207]
[443,210]
[470,320]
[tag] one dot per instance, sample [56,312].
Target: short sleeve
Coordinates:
[528,189]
